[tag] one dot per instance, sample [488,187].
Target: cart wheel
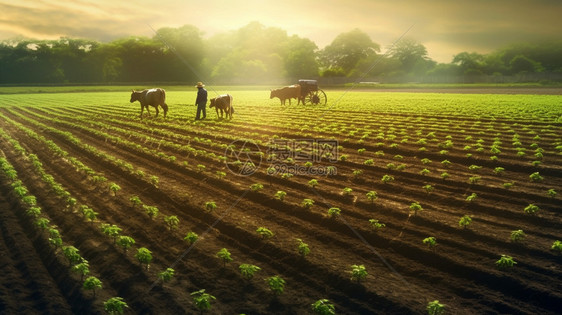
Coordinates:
[316,97]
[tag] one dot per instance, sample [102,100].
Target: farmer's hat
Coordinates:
[199,84]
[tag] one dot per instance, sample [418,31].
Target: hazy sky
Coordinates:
[445,27]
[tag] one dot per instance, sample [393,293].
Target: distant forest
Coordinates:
[256,54]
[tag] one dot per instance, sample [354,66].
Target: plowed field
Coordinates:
[438,150]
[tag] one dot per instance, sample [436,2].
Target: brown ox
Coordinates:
[152,97]
[224,103]
[287,92]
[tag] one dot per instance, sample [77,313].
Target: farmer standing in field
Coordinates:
[201,101]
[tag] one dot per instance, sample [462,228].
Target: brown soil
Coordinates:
[404,275]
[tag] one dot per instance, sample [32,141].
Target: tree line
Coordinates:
[257,54]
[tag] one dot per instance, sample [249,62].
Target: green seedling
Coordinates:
[415,207]
[517,235]
[435,308]
[531,209]
[505,262]
[125,242]
[302,248]
[376,225]
[465,221]
[144,256]
[307,203]
[166,275]
[115,305]
[264,233]
[248,270]
[431,242]
[280,195]
[191,237]
[202,300]
[276,284]
[172,222]
[323,307]
[92,283]
[371,196]
[358,273]
[224,255]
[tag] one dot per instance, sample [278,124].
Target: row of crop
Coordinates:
[452,249]
[76,262]
[151,180]
[348,195]
[430,185]
[143,255]
[367,127]
[152,137]
[383,139]
[154,213]
[440,173]
[154,153]
[150,210]
[538,108]
[154,132]
[430,136]
[473,177]
[312,125]
[89,214]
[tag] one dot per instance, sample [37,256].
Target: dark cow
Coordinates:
[152,97]
[224,103]
[287,92]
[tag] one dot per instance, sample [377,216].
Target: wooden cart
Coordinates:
[311,94]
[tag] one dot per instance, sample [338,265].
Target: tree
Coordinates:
[136,50]
[521,65]
[252,54]
[300,60]
[412,56]
[183,52]
[346,50]
[112,69]
[470,64]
